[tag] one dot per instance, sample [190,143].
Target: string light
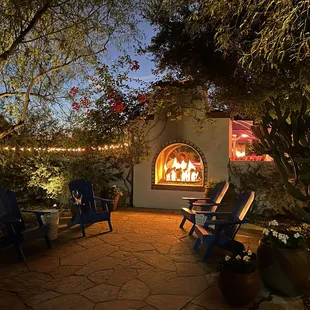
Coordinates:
[62,149]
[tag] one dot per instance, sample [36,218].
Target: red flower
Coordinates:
[88,148]
[134,65]
[141,98]
[73,91]
[76,106]
[89,112]
[85,102]
[118,107]
[112,93]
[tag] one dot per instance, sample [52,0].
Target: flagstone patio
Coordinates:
[146,263]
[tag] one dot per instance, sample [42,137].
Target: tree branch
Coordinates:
[10,51]
[11,129]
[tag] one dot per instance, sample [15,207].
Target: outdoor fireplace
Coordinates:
[179,165]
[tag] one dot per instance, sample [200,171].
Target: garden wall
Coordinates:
[214,141]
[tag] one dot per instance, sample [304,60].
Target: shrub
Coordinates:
[265,180]
[45,176]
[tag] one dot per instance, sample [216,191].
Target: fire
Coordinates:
[240,153]
[184,172]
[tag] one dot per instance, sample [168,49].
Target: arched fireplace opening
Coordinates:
[179,165]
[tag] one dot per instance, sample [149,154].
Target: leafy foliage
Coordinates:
[271,30]
[46,44]
[45,176]
[284,135]
[265,180]
[239,52]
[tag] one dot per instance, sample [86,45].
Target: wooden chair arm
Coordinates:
[104,202]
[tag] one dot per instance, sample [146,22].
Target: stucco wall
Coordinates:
[214,142]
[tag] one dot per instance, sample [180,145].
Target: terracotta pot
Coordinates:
[113,207]
[283,270]
[239,289]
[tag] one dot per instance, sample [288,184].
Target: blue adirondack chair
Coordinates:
[225,229]
[87,210]
[206,204]
[12,225]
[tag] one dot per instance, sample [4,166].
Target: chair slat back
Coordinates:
[9,207]
[219,192]
[85,188]
[243,205]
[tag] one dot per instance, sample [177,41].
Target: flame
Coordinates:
[240,154]
[189,172]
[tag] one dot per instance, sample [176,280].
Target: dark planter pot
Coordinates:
[113,207]
[239,289]
[283,270]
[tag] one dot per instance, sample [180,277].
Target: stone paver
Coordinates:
[24,281]
[120,304]
[102,292]
[134,289]
[10,301]
[64,271]
[37,296]
[211,299]
[69,285]
[167,302]
[100,264]
[183,286]
[43,264]
[101,276]
[189,269]
[66,302]
[146,263]
[122,275]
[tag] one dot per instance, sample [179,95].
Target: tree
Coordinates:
[46,43]
[275,31]
[210,42]
[285,136]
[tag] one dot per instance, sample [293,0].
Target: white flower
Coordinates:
[238,257]
[213,218]
[227,258]
[266,232]
[284,241]
[275,233]
[297,235]
[283,238]
[273,223]
[247,259]
[249,252]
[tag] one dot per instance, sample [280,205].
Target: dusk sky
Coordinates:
[145,61]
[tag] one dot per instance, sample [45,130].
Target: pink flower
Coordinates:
[85,102]
[76,106]
[73,91]
[134,65]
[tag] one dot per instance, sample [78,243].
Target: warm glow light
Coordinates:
[62,149]
[244,135]
[240,154]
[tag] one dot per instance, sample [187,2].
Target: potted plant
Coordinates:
[209,187]
[238,279]
[113,192]
[283,259]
